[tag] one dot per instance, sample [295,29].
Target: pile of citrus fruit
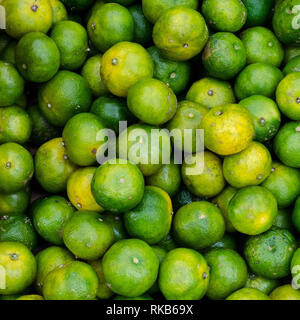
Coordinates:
[75,228]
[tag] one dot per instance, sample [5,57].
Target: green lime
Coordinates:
[228,241]
[42,130]
[224,55]
[227,279]
[152,101]
[168,243]
[49,259]
[52,166]
[142,27]
[222,201]
[180,33]
[8,54]
[257,79]
[12,203]
[202,174]
[81,136]
[79,189]
[91,72]
[109,24]
[147,146]
[31,297]
[23,16]
[290,53]
[87,235]
[287,144]
[296,215]
[228,129]
[111,110]
[60,283]
[65,95]
[49,217]
[18,267]
[292,66]
[104,292]
[130,267]
[198,225]
[258,12]
[153,9]
[285,292]
[286,21]
[295,269]
[249,167]
[262,284]
[16,125]
[37,57]
[16,167]
[262,46]
[187,117]
[151,219]
[123,65]
[211,93]
[226,15]
[248,294]
[265,114]
[269,254]
[252,210]
[117,224]
[187,267]
[59,11]
[284,183]
[18,227]
[118,186]
[11,84]
[283,220]
[168,178]
[161,254]
[182,197]
[288,96]
[175,74]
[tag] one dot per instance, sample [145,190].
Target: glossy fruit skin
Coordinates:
[81,137]
[262,284]
[285,21]
[258,12]
[117,223]
[130,266]
[257,78]
[248,294]
[232,276]
[292,66]
[91,72]
[16,125]
[37,57]
[151,101]
[151,219]
[228,241]
[284,220]
[190,268]
[49,259]
[109,24]
[211,92]
[118,63]
[224,55]
[231,123]
[228,15]
[287,144]
[178,24]
[198,225]
[20,266]
[266,116]
[19,228]
[262,46]
[59,11]
[296,214]
[87,235]
[249,167]
[206,181]
[176,74]
[52,166]
[118,187]
[12,84]
[50,216]
[252,210]
[16,167]
[275,263]
[285,292]
[288,96]
[290,53]
[14,202]
[22,17]
[58,283]
[153,9]
[284,183]
[65,95]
